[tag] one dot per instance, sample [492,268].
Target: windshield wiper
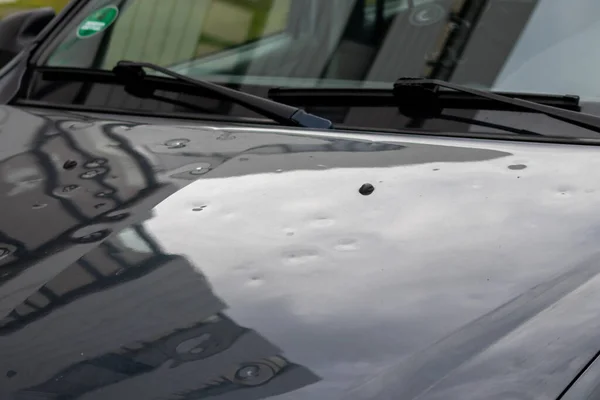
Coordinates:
[137,83]
[421,98]
[365,97]
[133,74]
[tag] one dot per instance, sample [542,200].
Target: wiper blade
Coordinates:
[421,98]
[133,74]
[471,121]
[448,99]
[137,83]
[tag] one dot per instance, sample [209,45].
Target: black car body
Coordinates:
[148,254]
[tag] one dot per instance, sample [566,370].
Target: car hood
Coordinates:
[184,260]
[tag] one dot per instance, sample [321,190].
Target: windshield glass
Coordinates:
[514,45]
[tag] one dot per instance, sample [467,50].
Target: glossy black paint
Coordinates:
[181,260]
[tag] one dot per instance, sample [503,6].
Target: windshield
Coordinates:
[532,46]
[503,44]
[517,45]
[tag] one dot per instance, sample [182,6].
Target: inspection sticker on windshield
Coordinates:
[97,22]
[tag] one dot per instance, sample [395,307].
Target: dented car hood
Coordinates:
[187,260]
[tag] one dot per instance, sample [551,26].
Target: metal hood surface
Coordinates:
[185,260]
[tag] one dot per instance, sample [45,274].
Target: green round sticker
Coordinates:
[97,22]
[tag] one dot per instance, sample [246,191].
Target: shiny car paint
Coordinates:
[190,260]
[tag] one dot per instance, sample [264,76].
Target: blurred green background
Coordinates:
[10,6]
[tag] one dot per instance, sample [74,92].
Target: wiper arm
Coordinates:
[420,98]
[134,76]
[61,76]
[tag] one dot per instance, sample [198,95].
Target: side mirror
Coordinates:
[20,29]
